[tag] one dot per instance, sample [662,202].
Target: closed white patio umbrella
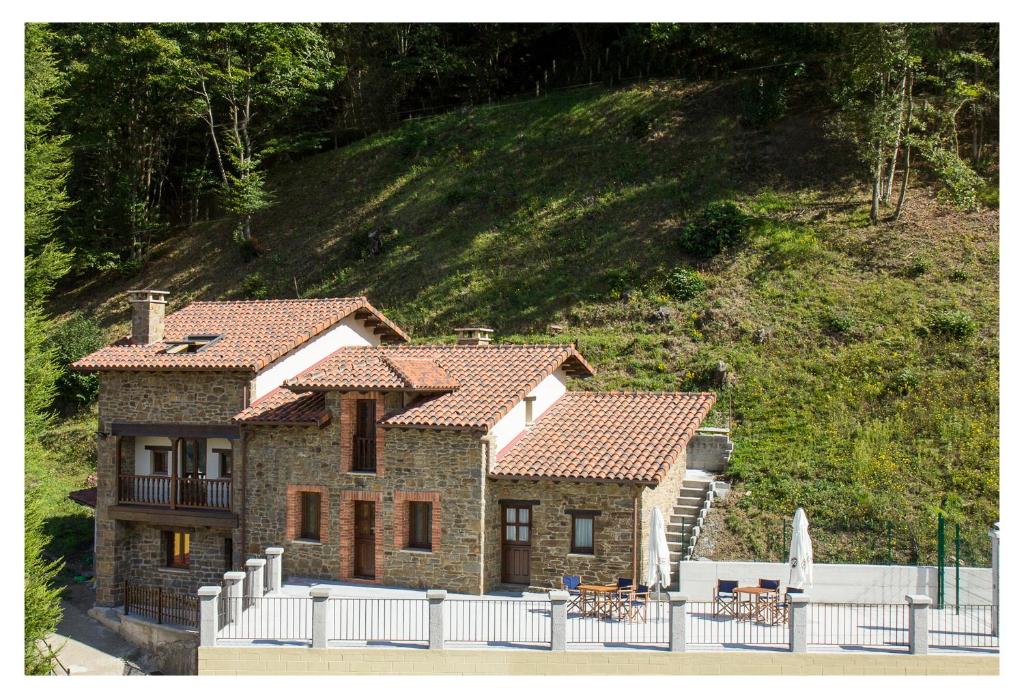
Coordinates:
[801,556]
[659,567]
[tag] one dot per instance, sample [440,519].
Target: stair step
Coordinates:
[692,501]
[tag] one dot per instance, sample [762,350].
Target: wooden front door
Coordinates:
[517,530]
[364,541]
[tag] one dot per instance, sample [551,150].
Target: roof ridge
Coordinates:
[272,300]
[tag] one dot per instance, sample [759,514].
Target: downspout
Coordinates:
[245,471]
[636,532]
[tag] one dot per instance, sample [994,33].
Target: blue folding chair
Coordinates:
[724,595]
[571,583]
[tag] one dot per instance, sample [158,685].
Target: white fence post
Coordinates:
[994,537]
[559,598]
[208,597]
[233,594]
[677,621]
[273,570]
[435,609]
[917,632]
[255,568]
[320,593]
[799,610]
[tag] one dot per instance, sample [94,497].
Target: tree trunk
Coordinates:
[876,186]
[899,135]
[906,153]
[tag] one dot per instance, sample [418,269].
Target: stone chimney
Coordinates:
[147,315]
[474,336]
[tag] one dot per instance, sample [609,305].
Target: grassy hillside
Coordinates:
[865,360]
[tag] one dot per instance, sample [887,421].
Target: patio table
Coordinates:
[598,600]
[757,604]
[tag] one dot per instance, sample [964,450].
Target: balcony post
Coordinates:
[273,570]
[255,568]
[174,473]
[208,601]
[320,594]
[799,610]
[117,466]
[917,631]
[677,621]
[435,609]
[558,598]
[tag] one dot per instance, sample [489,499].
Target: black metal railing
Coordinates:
[644,625]
[965,626]
[498,622]
[858,624]
[364,453]
[161,605]
[378,620]
[707,624]
[266,618]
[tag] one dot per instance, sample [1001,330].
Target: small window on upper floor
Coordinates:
[158,458]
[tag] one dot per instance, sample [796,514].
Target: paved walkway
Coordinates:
[87,648]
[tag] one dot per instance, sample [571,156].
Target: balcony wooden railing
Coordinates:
[174,492]
[364,454]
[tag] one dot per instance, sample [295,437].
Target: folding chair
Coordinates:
[724,595]
[571,584]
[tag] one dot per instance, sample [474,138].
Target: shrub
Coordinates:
[718,227]
[685,284]
[952,324]
[762,101]
[837,323]
[73,339]
[958,275]
[962,186]
[904,382]
[918,266]
[254,287]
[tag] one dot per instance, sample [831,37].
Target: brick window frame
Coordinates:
[347,417]
[347,522]
[402,499]
[294,511]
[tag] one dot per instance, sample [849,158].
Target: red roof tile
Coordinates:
[282,406]
[488,380]
[252,334]
[632,437]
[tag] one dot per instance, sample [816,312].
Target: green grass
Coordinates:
[568,209]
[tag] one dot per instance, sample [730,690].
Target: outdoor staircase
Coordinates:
[694,498]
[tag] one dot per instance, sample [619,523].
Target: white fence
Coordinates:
[843,583]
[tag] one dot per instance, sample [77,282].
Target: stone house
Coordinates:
[312,425]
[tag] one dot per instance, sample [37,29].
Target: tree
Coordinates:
[247,79]
[46,167]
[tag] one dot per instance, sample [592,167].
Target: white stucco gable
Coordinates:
[544,396]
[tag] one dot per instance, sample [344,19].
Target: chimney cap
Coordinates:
[479,336]
[148,294]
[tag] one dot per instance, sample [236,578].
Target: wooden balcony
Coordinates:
[175,492]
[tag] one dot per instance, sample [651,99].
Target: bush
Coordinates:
[685,284]
[952,324]
[721,225]
[73,339]
[838,323]
[254,287]
[762,101]
[918,266]
[958,275]
[962,186]
[904,382]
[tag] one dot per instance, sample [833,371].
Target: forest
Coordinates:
[774,196]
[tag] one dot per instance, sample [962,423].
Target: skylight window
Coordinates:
[191,344]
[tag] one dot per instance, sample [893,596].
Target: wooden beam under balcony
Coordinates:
[166,516]
[174,430]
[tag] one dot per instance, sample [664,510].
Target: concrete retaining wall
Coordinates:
[233,661]
[843,583]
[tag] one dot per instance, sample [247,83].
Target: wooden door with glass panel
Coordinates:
[516,534]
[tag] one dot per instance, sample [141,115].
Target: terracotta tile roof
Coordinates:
[365,368]
[282,406]
[488,380]
[86,497]
[632,437]
[252,334]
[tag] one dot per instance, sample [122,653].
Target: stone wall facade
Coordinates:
[143,557]
[446,466]
[550,555]
[152,397]
[664,497]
